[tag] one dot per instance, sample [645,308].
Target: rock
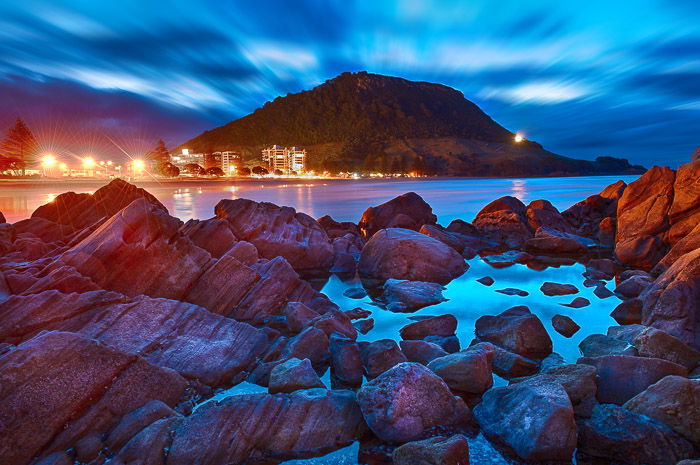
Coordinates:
[407,401]
[632,287]
[149,445]
[602,292]
[684,214]
[628,312]
[564,325]
[88,448]
[510,365]
[618,435]
[542,213]
[357,313]
[68,387]
[536,420]
[379,356]
[408,255]
[57,458]
[299,316]
[516,330]
[607,229]
[578,302]
[684,245]
[137,420]
[437,450]
[468,371]
[364,326]
[346,362]
[278,231]
[339,228]
[486,280]
[586,216]
[507,259]
[2,218]
[422,352]
[336,321]
[550,241]
[442,325]
[641,252]
[579,381]
[243,428]
[293,375]
[449,343]
[409,296]
[598,345]
[214,235]
[621,377]
[355,293]
[672,302]
[674,401]
[513,291]
[407,211]
[604,266]
[504,221]
[549,288]
[652,342]
[244,252]
[446,237]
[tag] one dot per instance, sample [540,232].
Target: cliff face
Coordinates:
[362,121]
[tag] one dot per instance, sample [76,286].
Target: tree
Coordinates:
[168,169]
[260,171]
[20,144]
[214,171]
[13,165]
[243,171]
[278,173]
[193,168]
[160,154]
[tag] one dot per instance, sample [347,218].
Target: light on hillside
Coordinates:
[518,138]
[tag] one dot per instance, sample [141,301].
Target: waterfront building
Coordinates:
[185,157]
[229,161]
[284,159]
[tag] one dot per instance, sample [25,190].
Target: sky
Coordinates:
[585,79]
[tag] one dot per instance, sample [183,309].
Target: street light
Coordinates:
[47,161]
[88,162]
[137,166]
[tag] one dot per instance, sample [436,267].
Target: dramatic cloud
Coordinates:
[603,78]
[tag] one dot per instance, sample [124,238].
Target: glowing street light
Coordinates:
[137,166]
[518,138]
[88,162]
[48,160]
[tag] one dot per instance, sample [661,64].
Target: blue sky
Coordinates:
[582,78]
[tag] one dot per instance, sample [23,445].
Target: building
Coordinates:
[286,160]
[185,158]
[229,161]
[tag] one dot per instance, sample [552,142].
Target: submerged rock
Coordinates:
[564,325]
[578,302]
[486,280]
[408,211]
[409,296]
[513,291]
[550,289]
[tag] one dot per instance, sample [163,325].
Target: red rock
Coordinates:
[442,325]
[436,450]
[684,214]
[564,325]
[504,221]
[550,241]
[407,211]
[380,356]
[685,245]
[278,231]
[550,289]
[468,371]
[516,330]
[641,252]
[212,235]
[542,213]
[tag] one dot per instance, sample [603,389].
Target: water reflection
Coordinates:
[519,190]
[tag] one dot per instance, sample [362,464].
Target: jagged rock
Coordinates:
[245,428]
[486,280]
[346,361]
[339,228]
[673,400]
[564,325]
[684,245]
[672,302]
[598,345]
[357,313]
[137,420]
[586,216]
[407,211]
[550,241]
[214,235]
[409,296]
[278,231]
[578,302]
[579,381]
[437,450]
[628,312]
[299,316]
[336,321]
[379,356]
[542,213]
[468,371]
[549,288]
[183,337]
[408,400]
[504,221]
[293,375]
[2,218]
[408,255]
[618,435]
[68,387]
[46,230]
[536,420]
[516,330]
[632,287]
[621,377]
[652,342]
[442,325]
[364,326]
[509,365]
[355,293]
[507,259]
[422,352]
[684,214]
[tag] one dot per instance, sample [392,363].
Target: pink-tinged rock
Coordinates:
[422,352]
[587,217]
[408,211]
[468,371]
[542,213]
[564,325]
[504,221]
[436,450]
[684,213]
[621,377]
[278,231]
[214,235]
[641,252]
[246,428]
[407,401]
[408,255]
[135,421]
[340,229]
[60,387]
[633,286]
[628,312]
[345,253]
[685,245]
[299,316]
[380,356]
[293,375]
[442,325]
[346,361]
[672,302]
[551,241]
[550,289]
[149,444]
[516,330]
[451,239]
[409,296]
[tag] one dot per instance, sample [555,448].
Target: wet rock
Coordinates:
[510,365]
[486,280]
[542,213]
[278,231]
[598,345]
[550,241]
[299,316]
[504,221]
[602,292]
[149,446]
[437,450]
[468,371]
[407,211]
[513,291]
[346,362]
[214,235]
[578,302]
[449,343]
[549,288]
[604,266]
[632,287]
[408,255]
[293,375]
[621,377]
[364,326]
[536,420]
[246,428]
[357,313]
[652,342]
[408,400]
[336,321]
[641,252]
[379,356]
[579,381]
[137,420]
[674,401]
[88,448]
[355,293]
[422,352]
[409,296]
[618,435]
[586,216]
[507,259]
[446,237]
[442,325]
[564,325]
[628,312]
[69,387]
[516,330]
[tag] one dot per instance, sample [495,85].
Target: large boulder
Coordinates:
[673,400]
[593,215]
[620,436]
[409,296]
[684,213]
[380,356]
[408,211]
[408,255]
[407,401]
[213,235]
[278,231]
[516,330]
[246,428]
[504,221]
[437,450]
[60,387]
[534,419]
[578,380]
[541,213]
[468,371]
[553,242]
[684,245]
[293,375]
[441,325]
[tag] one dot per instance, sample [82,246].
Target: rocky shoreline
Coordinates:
[117,320]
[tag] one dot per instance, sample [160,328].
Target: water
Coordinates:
[345,200]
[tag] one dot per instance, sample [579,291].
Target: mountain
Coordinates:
[369,122]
